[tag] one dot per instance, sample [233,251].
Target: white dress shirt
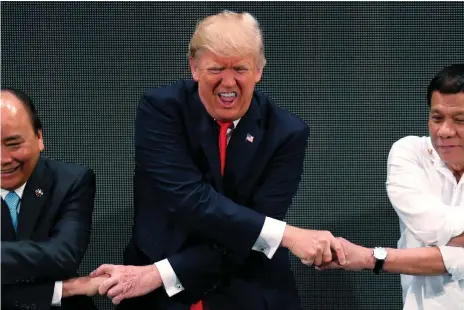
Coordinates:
[268,242]
[58,290]
[430,206]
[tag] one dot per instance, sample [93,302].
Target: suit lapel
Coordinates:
[8,233]
[33,199]
[209,135]
[243,145]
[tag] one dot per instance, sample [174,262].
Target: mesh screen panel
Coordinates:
[355,72]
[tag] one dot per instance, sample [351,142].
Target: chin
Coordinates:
[452,159]
[225,114]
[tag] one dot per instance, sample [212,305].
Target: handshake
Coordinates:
[312,247]
[324,251]
[116,281]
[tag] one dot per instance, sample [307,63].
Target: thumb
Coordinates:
[102,270]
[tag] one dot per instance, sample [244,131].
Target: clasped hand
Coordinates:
[313,247]
[122,282]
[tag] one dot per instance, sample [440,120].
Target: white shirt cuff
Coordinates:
[270,237]
[171,283]
[453,259]
[57,293]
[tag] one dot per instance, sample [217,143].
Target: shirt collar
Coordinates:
[433,155]
[235,122]
[19,191]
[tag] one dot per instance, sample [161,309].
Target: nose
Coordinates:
[446,130]
[228,79]
[5,156]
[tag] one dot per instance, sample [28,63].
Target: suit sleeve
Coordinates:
[39,296]
[28,295]
[59,257]
[161,152]
[202,268]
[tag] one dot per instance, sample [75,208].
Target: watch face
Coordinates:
[380,253]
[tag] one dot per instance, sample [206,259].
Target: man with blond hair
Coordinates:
[217,166]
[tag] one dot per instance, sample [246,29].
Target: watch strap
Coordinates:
[378,265]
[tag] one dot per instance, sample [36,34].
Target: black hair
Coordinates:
[450,80]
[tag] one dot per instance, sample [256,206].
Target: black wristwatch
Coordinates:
[380,255]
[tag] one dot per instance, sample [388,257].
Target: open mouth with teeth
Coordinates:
[6,172]
[227,99]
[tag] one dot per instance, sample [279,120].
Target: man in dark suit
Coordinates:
[46,216]
[217,166]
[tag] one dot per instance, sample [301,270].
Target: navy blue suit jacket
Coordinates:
[206,224]
[53,233]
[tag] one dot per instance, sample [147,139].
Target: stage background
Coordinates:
[355,72]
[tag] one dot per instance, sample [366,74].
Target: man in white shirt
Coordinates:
[426,188]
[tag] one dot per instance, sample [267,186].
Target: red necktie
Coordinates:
[222,154]
[223,143]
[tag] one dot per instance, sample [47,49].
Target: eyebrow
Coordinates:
[12,138]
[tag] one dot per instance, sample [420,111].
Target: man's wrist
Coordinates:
[73,287]
[370,260]
[155,274]
[287,239]
[68,288]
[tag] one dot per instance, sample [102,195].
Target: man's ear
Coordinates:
[193,68]
[41,142]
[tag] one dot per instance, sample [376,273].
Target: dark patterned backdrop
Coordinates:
[355,72]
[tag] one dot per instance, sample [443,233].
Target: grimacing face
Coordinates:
[446,127]
[225,84]
[21,145]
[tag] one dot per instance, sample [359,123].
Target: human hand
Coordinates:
[87,286]
[357,258]
[127,281]
[313,246]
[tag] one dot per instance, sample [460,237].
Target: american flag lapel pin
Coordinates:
[250,138]
[38,192]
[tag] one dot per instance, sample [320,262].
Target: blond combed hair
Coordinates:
[229,34]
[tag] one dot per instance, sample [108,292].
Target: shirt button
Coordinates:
[179,286]
[262,249]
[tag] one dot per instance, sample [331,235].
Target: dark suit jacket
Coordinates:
[206,224]
[52,237]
